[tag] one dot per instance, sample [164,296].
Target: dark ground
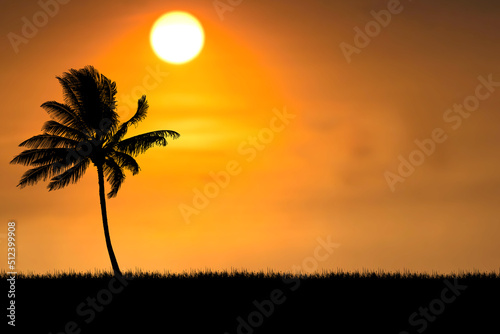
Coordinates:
[252,303]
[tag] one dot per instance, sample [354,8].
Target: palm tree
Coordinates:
[86,129]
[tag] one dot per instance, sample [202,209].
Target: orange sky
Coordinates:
[322,175]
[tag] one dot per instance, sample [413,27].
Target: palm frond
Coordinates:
[71,175]
[140,114]
[107,97]
[33,175]
[86,91]
[64,114]
[114,174]
[141,143]
[69,94]
[49,141]
[57,129]
[36,157]
[71,158]
[88,94]
[108,92]
[126,161]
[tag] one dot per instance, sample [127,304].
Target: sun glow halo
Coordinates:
[177,37]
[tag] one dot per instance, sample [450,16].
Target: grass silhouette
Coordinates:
[240,301]
[208,273]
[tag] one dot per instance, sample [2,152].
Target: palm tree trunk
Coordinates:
[102,197]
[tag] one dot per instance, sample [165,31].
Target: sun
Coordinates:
[177,37]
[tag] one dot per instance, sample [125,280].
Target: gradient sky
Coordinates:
[323,176]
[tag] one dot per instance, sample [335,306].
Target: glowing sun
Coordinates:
[177,37]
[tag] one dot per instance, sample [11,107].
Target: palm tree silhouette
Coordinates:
[83,130]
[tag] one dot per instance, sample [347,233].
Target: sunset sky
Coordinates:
[357,105]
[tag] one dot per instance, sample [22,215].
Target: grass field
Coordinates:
[263,302]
